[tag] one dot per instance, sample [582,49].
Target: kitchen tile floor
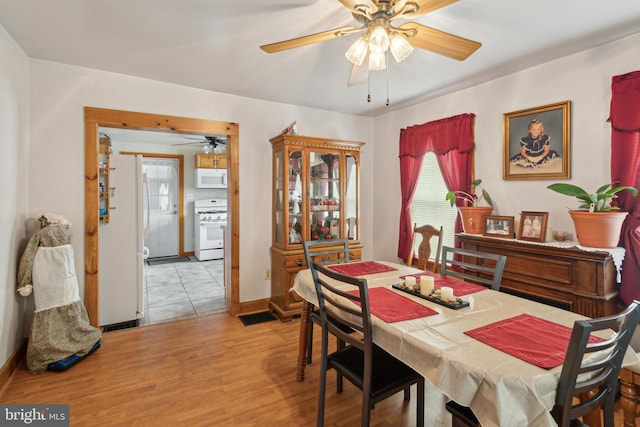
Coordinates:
[183,290]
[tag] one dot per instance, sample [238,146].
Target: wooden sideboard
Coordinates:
[568,277]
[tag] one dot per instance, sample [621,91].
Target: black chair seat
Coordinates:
[464,417]
[391,374]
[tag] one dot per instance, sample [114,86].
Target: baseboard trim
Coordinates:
[11,365]
[255,306]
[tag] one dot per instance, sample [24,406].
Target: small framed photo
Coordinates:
[533,226]
[537,142]
[498,226]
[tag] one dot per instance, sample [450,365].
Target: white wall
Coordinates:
[583,78]
[14,180]
[59,93]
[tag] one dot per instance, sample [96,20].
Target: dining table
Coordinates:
[499,354]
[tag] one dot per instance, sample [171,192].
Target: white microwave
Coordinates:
[211,178]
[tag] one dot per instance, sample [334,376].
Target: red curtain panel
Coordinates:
[625,170]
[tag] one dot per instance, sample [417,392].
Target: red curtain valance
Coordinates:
[439,136]
[624,112]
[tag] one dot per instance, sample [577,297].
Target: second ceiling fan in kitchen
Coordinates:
[214,144]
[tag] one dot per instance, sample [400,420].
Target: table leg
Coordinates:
[302,341]
[628,397]
[594,419]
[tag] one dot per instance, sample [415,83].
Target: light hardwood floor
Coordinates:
[207,371]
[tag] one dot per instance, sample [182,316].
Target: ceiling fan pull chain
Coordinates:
[387,74]
[368,86]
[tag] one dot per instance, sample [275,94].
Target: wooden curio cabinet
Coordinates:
[315,197]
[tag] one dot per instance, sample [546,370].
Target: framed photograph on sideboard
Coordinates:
[533,226]
[498,226]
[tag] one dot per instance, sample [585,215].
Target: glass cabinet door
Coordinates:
[351,197]
[324,196]
[295,197]
[278,195]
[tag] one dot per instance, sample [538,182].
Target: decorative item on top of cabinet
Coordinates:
[315,197]
[211,161]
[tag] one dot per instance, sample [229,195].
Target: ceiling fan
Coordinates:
[381,36]
[215,144]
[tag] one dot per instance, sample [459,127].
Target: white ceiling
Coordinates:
[214,44]
[185,141]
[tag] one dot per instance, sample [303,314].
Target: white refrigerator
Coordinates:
[121,261]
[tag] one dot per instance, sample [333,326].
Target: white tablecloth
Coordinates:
[501,389]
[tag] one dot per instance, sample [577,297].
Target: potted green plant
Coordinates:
[597,223]
[471,213]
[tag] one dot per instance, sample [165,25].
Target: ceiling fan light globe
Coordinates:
[378,40]
[377,61]
[358,51]
[400,47]
[207,149]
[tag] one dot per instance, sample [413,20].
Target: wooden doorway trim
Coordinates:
[94,118]
[180,159]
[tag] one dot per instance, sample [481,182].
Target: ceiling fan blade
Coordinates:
[359,74]
[310,39]
[423,6]
[440,42]
[187,143]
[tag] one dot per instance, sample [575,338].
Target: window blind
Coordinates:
[429,205]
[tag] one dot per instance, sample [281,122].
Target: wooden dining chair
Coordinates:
[370,368]
[332,251]
[587,378]
[424,249]
[483,268]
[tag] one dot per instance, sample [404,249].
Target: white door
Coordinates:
[162,179]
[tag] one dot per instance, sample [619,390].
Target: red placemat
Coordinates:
[361,268]
[529,338]
[392,307]
[460,287]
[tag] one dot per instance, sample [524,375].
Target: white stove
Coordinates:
[210,215]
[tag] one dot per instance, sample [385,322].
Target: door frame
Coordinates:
[94,118]
[180,159]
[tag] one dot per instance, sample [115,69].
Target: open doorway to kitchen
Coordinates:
[175,284]
[96,118]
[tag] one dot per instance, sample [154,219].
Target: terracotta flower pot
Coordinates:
[598,229]
[473,218]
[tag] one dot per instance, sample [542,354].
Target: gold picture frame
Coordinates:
[498,226]
[533,226]
[537,142]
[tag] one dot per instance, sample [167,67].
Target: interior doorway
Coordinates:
[94,119]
